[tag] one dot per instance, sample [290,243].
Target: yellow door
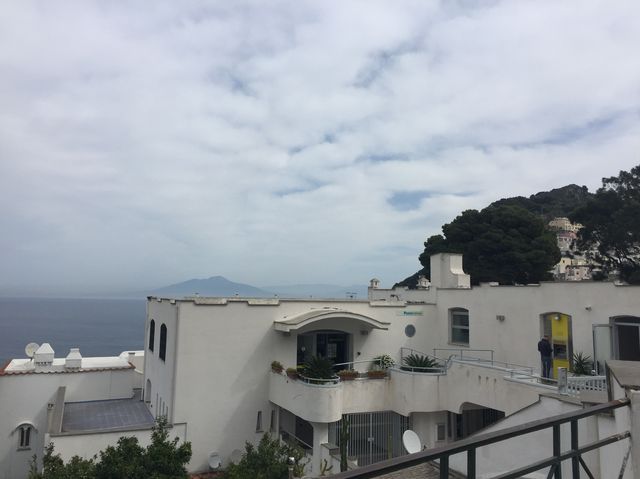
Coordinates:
[560,342]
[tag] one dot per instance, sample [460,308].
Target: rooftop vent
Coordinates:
[44,355]
[73,359]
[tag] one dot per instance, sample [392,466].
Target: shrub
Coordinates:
[292,372]
[348,374]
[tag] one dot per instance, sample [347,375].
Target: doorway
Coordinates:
[627,338]
[558,327]
[332,345]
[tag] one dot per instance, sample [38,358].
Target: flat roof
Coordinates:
[108,415]
[27,366]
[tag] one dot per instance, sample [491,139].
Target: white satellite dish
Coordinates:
[30,349]
[411,442]
[215,461]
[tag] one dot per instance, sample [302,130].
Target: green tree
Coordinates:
[503,243]
[162,459]
[611,220]
[269,460]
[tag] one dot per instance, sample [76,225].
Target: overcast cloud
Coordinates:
[144,143]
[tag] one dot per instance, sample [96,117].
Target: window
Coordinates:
[24,436]
[163,342]
[152,334]
[272,423]
[259,422]
[459,322]
[440,432]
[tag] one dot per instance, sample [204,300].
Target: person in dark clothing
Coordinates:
[545,355]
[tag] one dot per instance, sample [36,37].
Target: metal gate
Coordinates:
[374,436]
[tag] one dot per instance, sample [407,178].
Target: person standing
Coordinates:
[545,356]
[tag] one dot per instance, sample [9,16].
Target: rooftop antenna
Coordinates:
[30,349]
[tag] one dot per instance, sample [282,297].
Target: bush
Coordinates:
[277,367]
[267,461]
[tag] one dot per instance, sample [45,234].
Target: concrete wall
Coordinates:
[87,445]
[24,399]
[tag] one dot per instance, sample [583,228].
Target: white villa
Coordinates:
[206,366]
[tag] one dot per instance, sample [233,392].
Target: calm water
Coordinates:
[99,327]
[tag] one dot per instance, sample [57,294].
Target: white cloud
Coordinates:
[141,145]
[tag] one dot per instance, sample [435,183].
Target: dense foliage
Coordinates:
[269,460]
[419,363]
[162,459]
[611,220]
[551,204]
[499,243]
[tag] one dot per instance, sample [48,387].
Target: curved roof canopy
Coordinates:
[318,315]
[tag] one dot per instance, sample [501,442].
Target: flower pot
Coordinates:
[376,374]
[348,375]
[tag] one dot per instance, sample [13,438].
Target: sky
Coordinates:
[146,143]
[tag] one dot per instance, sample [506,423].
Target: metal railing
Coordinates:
[577,384]
[461,351]
[470,446]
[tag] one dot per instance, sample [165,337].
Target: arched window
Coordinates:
[459,326]
[25,433]
[152,334]
[163,342]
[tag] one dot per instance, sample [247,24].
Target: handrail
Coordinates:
[463,350]
[470,445]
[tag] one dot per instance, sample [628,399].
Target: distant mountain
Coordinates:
[325,291]
[551,204]
[214,286]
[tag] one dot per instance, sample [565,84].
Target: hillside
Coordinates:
[213,286]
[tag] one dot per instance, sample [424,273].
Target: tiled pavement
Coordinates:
[106,415]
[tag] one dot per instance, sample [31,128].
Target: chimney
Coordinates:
[73,359]
[44,355]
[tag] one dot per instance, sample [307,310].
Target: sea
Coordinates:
[99,327]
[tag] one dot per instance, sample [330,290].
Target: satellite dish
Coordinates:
[215,461]
[411,442]
[30,349]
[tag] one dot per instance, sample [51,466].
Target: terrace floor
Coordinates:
[113,414]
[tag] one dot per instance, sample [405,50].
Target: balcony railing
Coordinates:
[470,446]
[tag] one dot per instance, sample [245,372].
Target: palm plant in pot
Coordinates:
[318,370]
[420,363]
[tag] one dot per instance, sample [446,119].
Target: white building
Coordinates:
[207,368]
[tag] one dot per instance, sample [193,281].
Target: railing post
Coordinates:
[562,380]
[471,463]
[444,467]
[557,452]
[575,460]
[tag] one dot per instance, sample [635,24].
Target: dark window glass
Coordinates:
[163,342]
[152,334]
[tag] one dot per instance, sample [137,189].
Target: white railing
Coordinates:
[576,384]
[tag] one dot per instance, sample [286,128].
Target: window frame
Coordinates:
[25,436]
[453,314]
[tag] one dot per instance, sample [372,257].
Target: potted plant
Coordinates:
[420,363]
[292,373]
[277,367]
[376,373]
[348,374]
[384,362]
[318,370]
